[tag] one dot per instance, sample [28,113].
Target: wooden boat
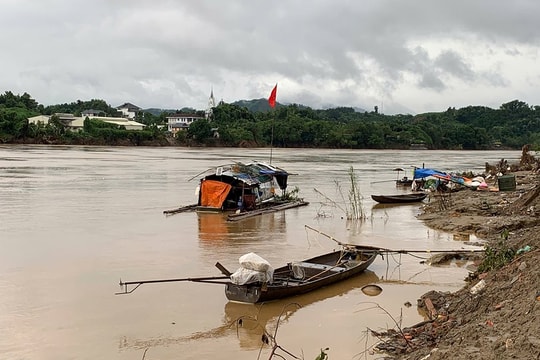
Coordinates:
[399,198]
[295,278]
[404,181]
[304,276]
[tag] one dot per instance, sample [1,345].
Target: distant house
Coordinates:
[64,118]
[127,123]
[178,122]
[128,110]
[77,122]
[92,112]
[40,119]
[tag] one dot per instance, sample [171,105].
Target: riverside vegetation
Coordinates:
[254,124]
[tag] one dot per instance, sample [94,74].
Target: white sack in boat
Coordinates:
[253,269]
[244,276]
[253,261]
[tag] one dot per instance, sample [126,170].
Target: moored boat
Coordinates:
[404,181]
[399,198]
[256,281]
[304,276]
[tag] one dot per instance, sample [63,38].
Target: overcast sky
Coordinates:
[403,56]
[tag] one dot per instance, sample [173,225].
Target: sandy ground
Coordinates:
[497,314]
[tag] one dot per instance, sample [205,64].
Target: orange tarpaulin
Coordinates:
[214,193]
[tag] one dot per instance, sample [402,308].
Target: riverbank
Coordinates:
[496,315]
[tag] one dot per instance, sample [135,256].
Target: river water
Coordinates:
[76,220]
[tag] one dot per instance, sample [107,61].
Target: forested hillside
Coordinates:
[254,124]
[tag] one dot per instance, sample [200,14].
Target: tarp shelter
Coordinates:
[241,186]
[421,173]
[214,193]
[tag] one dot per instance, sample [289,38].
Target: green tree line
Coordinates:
[471,128]
[16,109]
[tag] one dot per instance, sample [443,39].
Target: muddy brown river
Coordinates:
[76,220]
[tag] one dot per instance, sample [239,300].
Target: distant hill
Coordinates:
[157,112]
[254,105]
[359,110]
[259,105]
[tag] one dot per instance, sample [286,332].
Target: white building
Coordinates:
[40,119]
[180,122]
[77,122]
[128,110]
[177,122]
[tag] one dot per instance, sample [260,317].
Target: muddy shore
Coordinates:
[497,314]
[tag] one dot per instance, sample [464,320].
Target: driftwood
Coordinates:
[528,161]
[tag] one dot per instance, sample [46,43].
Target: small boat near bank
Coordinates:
[301,277]
[399,198]
[404,182]
[256,281]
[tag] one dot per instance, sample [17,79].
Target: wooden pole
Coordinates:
[459,251]
[272,137]
[206,279]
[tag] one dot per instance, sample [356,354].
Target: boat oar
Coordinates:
[328,236]
[207,279]
[344,244]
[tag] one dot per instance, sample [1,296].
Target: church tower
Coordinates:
[211,104]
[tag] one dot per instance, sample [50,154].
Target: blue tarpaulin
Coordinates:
[424,172]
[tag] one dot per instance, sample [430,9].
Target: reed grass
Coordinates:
[354,209]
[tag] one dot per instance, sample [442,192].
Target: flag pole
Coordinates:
[272,138]
[272,103]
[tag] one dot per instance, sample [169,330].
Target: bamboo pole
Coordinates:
[206,279]
[398,251]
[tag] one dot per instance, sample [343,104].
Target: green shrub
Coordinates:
[498,255]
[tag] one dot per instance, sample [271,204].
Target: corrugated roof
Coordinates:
[251,173]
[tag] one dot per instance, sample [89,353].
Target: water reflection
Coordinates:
[379,207]
[215,230]
[266,316]
[213,227]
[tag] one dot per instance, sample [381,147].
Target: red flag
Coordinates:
[272,98]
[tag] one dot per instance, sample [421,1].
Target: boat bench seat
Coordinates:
[319,266]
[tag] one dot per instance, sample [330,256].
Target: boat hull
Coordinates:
[315,273]
[404,183]
[400,198]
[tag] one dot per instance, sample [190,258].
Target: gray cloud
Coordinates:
[413,56]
